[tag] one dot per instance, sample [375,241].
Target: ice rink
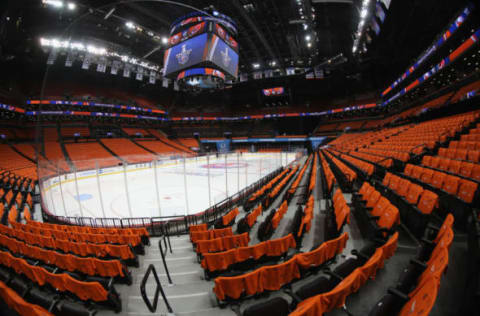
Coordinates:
[105,194]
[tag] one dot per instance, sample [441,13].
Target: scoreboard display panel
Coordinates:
[223,56]
[271,92]
[186,54]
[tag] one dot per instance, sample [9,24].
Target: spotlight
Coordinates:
[308,37]
[130,25]
[363,13]
[71,6]
[164,40]
[256,65]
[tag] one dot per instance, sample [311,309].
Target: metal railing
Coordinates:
[158,290]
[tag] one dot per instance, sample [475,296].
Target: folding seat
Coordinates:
[455,166]
[470,145]
[336,298]
[418,272]
[280,246]
[310,307]
[219,261]
[417,172]
[451,184]
[444,163]
[212,245]
[274,277]
[372,199]
[84,265]
[427,175]
[196,228]
[426,160]
[86,290]
[65,262]
[461,154]
[57,281]
[234,287]
[442,152]
[274,306]
[467,190]
[419,302]
[466,169]
[414,192]
[473,156]
[476,172]
[369,269]
[408,170]
[108,268]
[435,162]
[438,179]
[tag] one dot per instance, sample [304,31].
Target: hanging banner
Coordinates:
[115,66]
[102,65]
[126,71]
[223,145]
[139,75]
[153,77]
[52,57]
[86,61]
[70,59]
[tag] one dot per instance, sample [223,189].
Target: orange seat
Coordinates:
[197,228]
[85,290]
[461,154]
[444,163]
[455,166]
[421,299]
[473,156]
[336,298]
[108,268]
[219,261]
[438,179]
[451,184]
[447,224]
[403,187]
[467,190]
[233,287]
[17,303]
[476,172]
[414,192]
[435,162]
[373,198]
[277,247]
[428,202]
[370,268]
[389,248]
[466,169]
[276,276]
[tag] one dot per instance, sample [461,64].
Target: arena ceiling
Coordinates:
[272,33]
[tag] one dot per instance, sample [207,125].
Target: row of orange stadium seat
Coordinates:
[279,214]
[88,266]
[387,163]
[272,278]
[268,186]
[133,240]
[455,144]
[329,176]
[78,248]
[198,228]
[349,174]
[140,231]
[282,183]
[464,168]
[461,154]
[252,216]
[313,175]
[425,200]
[366,167]
[340,209]
[297,181]
[18,304]
[271,248]
[196,236]
[230,216]
[470,137]
[222,243]
[62,282]
[307,217]
[465,190]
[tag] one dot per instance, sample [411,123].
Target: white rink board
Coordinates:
[64,200]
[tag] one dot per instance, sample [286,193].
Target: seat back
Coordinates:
[336,298]
[467,190]
[414,192]
[428,202]
[421,299]
[438,179]
[451,184]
